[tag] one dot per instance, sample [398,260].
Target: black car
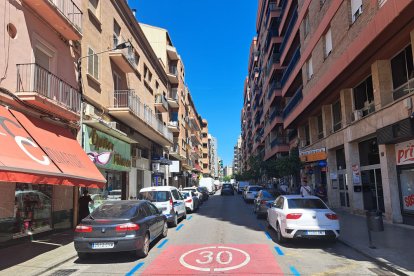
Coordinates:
[205,193]
[115,226]
[227,188]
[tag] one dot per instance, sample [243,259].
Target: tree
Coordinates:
[284,165]
[226,178]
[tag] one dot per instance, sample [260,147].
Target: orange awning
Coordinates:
[35,151]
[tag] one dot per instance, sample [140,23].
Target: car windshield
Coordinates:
[254,189]
[186,194]
[227,186]
[155,196]
[306,203]
[109,210]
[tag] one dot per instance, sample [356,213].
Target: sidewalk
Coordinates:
[394,246]
[38,256]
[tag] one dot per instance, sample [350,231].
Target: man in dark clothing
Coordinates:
[84,205]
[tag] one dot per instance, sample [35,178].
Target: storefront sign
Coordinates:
[405,153]
[175,167]
[313,155]
[106,151]
[407,189]
[356,175]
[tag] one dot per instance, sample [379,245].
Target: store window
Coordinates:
[407,190]
[369,152]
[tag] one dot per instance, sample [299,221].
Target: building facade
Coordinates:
[206,165]
[214,157]
[237,168]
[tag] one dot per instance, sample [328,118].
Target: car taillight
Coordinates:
[171,204]
[127,227]
[293,216]
[331,216]
[263,201]
[189,200]
[83,229]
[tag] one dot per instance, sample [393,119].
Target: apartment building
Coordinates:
[125,87]
[42,163]
[246,125]
[205,148]
[194,146]
[237,169]
[214,162]
[178,118]
[348,82]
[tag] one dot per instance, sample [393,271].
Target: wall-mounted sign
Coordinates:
[322,163]
[155,167]
[313,155]
[106,151]
[356,175]
[405,153]
[175,167]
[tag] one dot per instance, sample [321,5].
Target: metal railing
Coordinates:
[291,66]
[69,10]
[288,32]
[31,77]
[173,70]
[274,59]
[279,141]
[293,102]
[275,112]
[128,99]
[160,99]
[273,86]
[175,148]
[174,94]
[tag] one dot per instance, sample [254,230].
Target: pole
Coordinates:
[371,245]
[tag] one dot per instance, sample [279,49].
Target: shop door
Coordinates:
[343,189]
[372,189]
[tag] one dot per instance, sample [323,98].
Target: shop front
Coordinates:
[112,157]
[160,170]
[405,169]
[40,163]
[315,170]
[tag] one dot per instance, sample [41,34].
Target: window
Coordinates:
[176,195]
[94,7]
[402,73]
[154,211]
[328,42]
[337,115]
[306,24]
[117,34]
[309,68]
[364,97]
[320,126]
[307,135]
[356,9]
[340,159]
[93,63]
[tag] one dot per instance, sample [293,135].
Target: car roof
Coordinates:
[124,202]
[300,197]
[158,188]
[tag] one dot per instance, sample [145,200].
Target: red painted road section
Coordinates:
[224,259]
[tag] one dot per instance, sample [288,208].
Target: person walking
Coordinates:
[305,190]
[84,201]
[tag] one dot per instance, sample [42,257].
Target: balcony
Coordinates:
[274,61]
[194,123]
[63,15]
[161,104]
[173,98]
[172,52]
[279,141]
[173,74]
[174,126]
[175,151]
[291,66]
[124,58]
[293,102]
[274,86]
[289,29]
[41,88]
[127,107]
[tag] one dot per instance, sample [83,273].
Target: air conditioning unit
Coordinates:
[113,125]
[89,110]
[357,115]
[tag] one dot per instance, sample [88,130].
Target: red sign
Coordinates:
[405,153]
[240,259]
[409,200]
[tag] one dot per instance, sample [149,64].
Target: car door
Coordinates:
[151,221]
[158,219]
[280,216]
[178,202]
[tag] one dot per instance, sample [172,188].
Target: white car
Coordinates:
[191,200]
[294,216]
[194,190]
[250,192]
[168,200]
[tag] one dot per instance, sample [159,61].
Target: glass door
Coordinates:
[372,190]
[343,189]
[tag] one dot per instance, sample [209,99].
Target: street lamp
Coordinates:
[120,46]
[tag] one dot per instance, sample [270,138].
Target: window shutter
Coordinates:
[328,42]
[355,6]
[90,61]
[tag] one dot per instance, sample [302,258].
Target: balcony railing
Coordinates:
[161,100]
[403,90]
[173,70]
[279,141]
[293,102]
[274,59]
[69,9]
[289,30]
[275,112]
[275,85]
[291,66]
[174,94]
[31,77]
[128,99]
[127,52]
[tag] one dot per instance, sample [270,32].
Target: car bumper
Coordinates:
[84,245]
[228,192]
[170,217]
[302,233]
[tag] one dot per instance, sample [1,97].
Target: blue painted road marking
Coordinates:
[268,236]
[138,266]
[190,217]
[294,271]
[279,251]
[163,243]
[179,227]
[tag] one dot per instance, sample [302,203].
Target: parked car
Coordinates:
[115,195]
[241,186]
[196,191]
[227,188]
[168,200]
[191,200]
[294,216]
[250,193]
[115,226]
[262,202]
[204,192]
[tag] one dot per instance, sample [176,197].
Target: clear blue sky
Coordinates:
[213,38]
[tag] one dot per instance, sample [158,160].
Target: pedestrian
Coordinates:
[321,192]
[305,190]
[84,201]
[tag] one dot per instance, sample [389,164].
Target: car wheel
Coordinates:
[143,252]
[280,238]
[164,230]
[185,215]
[83,255]
[174,223]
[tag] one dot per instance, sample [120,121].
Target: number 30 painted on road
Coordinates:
[209,256]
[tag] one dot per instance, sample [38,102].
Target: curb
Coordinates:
[55,265]
[373,259]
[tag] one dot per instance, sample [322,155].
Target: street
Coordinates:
[225,237]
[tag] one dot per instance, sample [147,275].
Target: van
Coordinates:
[208,182]
[168,200]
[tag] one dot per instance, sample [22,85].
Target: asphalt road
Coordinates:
[225,237]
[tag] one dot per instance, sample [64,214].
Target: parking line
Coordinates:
[163,243]
[279,251]
[294,271]
[268,236]
[179,227]
[134,269]
[190,217]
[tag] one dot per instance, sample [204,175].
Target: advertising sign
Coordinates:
[356,174]
[407,190]
[405,153]
[106,151]
[175,167]
[313,155]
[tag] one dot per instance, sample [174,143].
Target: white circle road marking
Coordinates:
[185,264]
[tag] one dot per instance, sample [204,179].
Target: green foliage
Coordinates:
[227,178]
[283,166]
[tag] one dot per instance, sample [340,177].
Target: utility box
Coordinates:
[374,221]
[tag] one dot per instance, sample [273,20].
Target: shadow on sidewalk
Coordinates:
[26,249]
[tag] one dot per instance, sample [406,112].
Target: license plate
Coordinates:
[316,233]
[102,245]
